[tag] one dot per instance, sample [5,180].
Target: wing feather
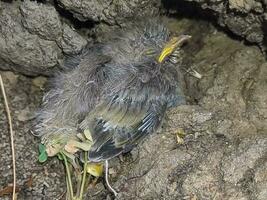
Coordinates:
[129,110]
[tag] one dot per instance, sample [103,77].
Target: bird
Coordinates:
[118,90]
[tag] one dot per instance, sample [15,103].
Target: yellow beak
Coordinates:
[172,45]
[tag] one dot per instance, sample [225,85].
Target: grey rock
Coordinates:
[241,159]
[33,38]
[22,51]
[256,91]
[245,5]
[225,154]
[71,42]
[249,26]
[224,151]
[261,181]
[111,12]
[41,19]
[245,18]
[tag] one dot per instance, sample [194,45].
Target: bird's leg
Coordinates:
[106,179]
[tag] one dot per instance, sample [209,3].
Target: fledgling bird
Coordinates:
[119,91]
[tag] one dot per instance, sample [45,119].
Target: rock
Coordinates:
[33,38]
[231,90]
[22,51]
[256,91]
[41,19]
[223,153]
[261,180]
[246,5]
[71,42]
[111,12]
[242,158]
[245,18]
[248,27]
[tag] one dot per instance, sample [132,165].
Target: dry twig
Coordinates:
[11,137]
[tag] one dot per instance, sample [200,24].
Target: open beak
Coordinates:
[172,45]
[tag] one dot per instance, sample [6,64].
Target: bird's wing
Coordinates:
[114,135]
[125,117]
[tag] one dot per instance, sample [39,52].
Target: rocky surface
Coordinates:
[112,12]
[33,38]
[224,154]
[226,145]
[244,18]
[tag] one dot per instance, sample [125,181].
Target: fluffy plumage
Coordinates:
[118,90]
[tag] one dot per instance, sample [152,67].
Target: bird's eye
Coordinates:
[149,52]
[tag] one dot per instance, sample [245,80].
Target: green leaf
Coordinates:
[42,157]
[41,148]
[42,153]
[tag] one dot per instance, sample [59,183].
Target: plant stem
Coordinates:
[68,175]
[84,174]
[79,182]
[68,188]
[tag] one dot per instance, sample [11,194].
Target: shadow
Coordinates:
[189,10]
[77,24]
[192,10]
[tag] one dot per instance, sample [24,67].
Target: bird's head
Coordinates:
[146,43]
